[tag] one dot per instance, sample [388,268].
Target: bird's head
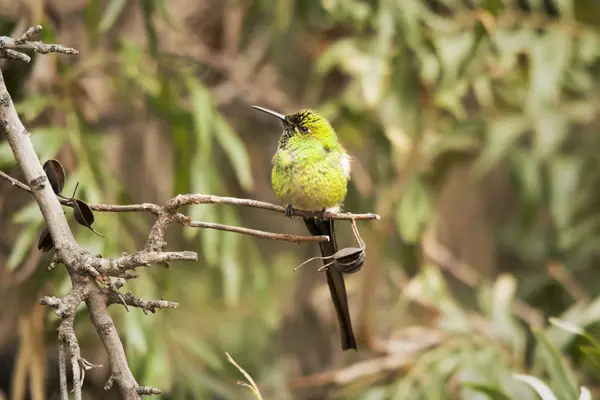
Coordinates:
[303,125]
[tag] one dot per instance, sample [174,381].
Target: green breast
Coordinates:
[309,177]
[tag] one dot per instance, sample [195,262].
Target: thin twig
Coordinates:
[134,301]
[62,370]
[253,232]
[11,48]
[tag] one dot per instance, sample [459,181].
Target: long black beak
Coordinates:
[271,112]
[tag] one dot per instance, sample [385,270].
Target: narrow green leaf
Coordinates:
[494,393]
[197,347]
[22,245]
[502,133]
[413,211]
[112,12]
[236,152]
[564,182]
[230,266]
[562,379]
[540,387]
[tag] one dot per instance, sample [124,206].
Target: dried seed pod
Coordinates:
[45,243]
[84,215]
[56,175]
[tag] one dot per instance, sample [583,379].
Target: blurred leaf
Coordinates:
[22,246]
[112,12]
[203,115]
[502,315]
[236,152]
[413,211]
[540,387]
[565,173]
[230,266]
[31,107]
[46,141]
[562,379]
[492,392]
[211,243]
[29,214]
[549,57]
[502,134]
[551,130]
[198,347]
[158,368]
[134,334]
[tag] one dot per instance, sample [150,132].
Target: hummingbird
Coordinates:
[310,172]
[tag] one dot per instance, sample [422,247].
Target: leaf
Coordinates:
[562,378]
[22,246]
[564,181]
[84,215]
[28,214]
[112,12]
[236,152]
[550,55]
[413,211]
[502,316]
[585,394]
[203,115]
[230,266]
[502,133]
[540,387]
[567,326]
[56,175]
[46,141]
[32,106]
[158,365]
[198,347]
[550,131]
[492,392]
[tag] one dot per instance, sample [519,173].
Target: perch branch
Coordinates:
[190,199]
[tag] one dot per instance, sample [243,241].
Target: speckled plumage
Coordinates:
[310,169]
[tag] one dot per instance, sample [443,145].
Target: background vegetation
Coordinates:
[473,125]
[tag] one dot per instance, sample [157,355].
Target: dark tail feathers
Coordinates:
[335,279]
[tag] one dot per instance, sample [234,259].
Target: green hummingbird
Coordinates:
[310,172]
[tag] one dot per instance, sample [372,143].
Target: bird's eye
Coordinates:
[304,129]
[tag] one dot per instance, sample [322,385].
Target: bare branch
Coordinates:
[257,233]
[11,48]
[134,301]
[148,391]
[189,199]
[169,214]
[117,266]
[62,369]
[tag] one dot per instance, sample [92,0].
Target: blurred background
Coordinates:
[474,129]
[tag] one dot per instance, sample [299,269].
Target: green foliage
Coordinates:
[415,89]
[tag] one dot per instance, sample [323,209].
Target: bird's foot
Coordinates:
[321,214]
[289,211]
